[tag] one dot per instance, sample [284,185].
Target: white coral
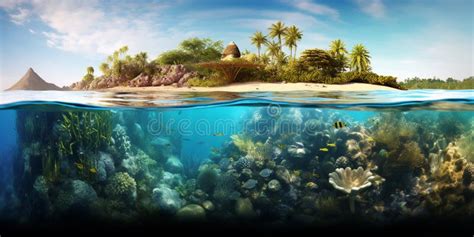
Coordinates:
[348,180]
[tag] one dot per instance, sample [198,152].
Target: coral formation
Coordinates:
[122,187]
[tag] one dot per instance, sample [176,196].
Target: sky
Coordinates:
[405,38]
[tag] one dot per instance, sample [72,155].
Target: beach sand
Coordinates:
[257,86]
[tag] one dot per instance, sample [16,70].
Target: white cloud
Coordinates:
[374,8]
[86,27]
[315,8]
[20,16]
[32,31]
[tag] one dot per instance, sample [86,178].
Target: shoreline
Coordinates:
[256,87]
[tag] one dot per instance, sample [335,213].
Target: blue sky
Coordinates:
[406,38]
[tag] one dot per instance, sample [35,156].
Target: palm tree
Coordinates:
[338,51]
[273,49]
[337,48]
[258,39]
[90,70]
[360,59]
[293,35]
[278,30]
[142,60]
[104,68]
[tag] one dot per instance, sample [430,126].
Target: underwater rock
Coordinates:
[468,175]
[171,180]
[198,196]
[244,208]
[283,174]
[274,185]
[191,212]
[250,184]
[41,203]
[207,179]
[76,195]
[105,166]
[138,132]
[122,187]
[208,205]
[174,165]
[225,189]
[348,180]
[265,173]
[167,199]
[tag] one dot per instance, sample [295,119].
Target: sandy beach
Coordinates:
[257,86]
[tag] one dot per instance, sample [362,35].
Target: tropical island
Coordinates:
[203,63]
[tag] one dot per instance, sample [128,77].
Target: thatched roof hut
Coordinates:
[231,51]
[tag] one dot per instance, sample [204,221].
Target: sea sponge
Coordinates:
[122,187]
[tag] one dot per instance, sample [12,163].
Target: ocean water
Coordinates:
[284,159]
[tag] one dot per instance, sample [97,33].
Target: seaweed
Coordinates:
[82,134]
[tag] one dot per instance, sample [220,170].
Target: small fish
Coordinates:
[186,139]
[214,150]
[331,144]
[324,149]
[370,139]
[339,124]
[79,165]
[200,142]
[93,170]
[218,134]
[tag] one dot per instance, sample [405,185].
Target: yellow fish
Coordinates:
[79,165]
[370,139]
[339,124]
[332,144]
[297,172]
[218,134]
[324,149]
[281,146]
[93,170]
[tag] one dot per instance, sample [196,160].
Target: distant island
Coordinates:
[32,81]
[202,62]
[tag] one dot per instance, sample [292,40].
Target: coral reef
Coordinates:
[122,187]
[348,180]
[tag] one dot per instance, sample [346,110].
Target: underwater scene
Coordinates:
[312,161]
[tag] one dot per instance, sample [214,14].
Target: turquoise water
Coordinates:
[275,158]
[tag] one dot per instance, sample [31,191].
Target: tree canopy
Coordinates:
[193,50]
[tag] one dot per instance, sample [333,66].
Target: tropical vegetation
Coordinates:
[276,56]
[436,83]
